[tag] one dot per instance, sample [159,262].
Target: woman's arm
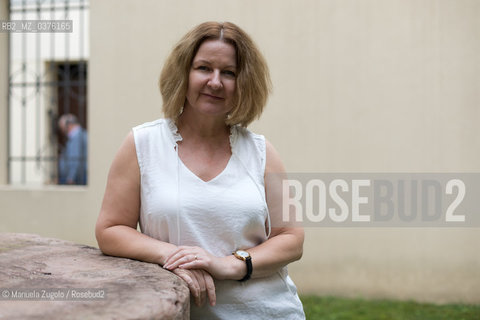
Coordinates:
[116,228]
[284,245]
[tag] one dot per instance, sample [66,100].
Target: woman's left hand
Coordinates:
[200,283]
[186,257]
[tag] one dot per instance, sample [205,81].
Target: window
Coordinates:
[47,79]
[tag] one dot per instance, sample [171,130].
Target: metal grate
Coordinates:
[47,78]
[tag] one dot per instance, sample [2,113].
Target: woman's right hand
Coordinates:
[200,283]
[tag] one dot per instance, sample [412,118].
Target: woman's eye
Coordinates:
[229,73]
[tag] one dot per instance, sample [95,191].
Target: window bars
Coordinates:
[47,77]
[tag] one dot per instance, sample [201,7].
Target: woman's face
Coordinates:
[211,82]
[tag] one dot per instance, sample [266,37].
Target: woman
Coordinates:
[195,182]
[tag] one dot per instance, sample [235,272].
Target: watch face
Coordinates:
[243,254]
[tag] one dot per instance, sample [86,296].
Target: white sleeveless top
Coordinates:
[221,215]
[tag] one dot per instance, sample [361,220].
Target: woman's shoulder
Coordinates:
[250,147]
[157,129]
[268,154]
[150,124]
[154,142]
[249,136]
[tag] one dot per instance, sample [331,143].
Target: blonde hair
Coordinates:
[253,82]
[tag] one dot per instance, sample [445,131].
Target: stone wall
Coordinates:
[44,278]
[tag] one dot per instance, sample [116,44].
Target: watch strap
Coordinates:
[248,261]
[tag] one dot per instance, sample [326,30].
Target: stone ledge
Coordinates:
[133,289]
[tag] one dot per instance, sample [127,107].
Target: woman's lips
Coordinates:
[212,96]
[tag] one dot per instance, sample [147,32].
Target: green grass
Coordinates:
[331,308]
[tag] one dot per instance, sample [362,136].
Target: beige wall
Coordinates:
[359,86]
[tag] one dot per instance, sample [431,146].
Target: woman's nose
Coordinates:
[215,82]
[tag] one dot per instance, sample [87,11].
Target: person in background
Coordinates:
[73,158]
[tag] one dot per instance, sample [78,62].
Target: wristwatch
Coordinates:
[245,256]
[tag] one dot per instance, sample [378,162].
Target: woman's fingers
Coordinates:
[207,287]
[190,279]
[179,253]
[180,258]
[202,295]
[188,258]
[210,287]
[197,262]
[191,263]
[200,284]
